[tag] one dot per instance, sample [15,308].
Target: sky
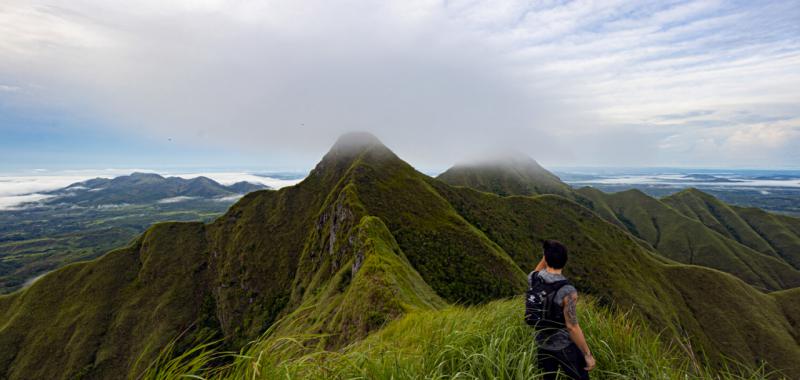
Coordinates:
[271,84]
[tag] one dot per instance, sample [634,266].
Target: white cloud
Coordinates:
[229,198]
[10,202]
[229,178]
[175,199]
[764,136]
[435,80]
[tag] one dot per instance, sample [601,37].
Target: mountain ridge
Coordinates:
[362,240]
[772,234]
[140,188]
[658,225]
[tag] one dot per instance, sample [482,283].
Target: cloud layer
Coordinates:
[580,82]
[16,190]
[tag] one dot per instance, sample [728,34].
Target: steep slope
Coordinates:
[454,257]
[654,224]
[92,320]
[364,239]
[139,188]
[774,235]
[270,254]
[279,249]
[688,301]
[782,232]
[376,285]
[487,341]
[688,241]
[514,174]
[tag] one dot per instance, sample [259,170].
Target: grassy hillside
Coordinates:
[607,263]
[511,175]
[687,240]
[775,200]
[676,228]
[92,320]
[771,234]
[364,240]
[488,341]
[377,285]
[271,254]
[38,240]
[459,262]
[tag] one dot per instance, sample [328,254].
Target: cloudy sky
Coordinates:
[270,84]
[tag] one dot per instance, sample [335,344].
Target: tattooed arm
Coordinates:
[575,331]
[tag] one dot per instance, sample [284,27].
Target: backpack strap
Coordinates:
[556,286]
[552,306]
[533,276]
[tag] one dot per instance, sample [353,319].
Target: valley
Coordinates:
[37,240]
[86,219]
[772,190]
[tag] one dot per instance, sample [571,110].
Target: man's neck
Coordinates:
[553,271]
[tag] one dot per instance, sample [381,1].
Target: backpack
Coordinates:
[541,311]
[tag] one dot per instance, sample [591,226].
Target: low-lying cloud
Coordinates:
[177,199]
[18,190]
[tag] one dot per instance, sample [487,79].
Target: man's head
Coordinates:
[555,254]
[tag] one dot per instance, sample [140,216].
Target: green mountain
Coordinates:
[140,188]
[609,264]
[362,240]
[687,240]
[513,174]
[87,219]
[658,225]
[771,234]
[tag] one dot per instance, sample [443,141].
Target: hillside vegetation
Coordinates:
[690,227]
[513,174]
[771,234]
[38,240]
[483,342]
[87,219]
[364,240]
[687,240]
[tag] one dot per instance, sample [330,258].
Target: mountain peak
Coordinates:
[144,175]
[507,160]
[354,142]
[510,173]
[348,148]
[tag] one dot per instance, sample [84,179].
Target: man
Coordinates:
[563,347]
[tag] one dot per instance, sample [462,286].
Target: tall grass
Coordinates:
[483,342]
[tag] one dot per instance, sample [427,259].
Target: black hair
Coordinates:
[555,254]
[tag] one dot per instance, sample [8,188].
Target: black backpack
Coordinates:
[541,311]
